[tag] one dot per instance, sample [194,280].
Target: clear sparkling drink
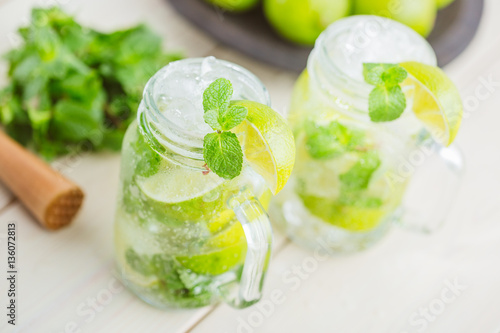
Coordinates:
[178,237]
[347,186]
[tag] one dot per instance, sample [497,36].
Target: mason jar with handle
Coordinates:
[184,237]
[355,178]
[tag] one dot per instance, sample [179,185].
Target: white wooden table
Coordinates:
[66,282]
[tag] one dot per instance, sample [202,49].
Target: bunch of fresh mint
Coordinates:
[222,150]
[74,88]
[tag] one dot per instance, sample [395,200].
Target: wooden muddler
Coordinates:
[50,197]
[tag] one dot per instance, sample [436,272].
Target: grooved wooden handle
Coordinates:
[50,197]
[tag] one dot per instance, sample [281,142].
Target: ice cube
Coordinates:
[376,40]
[180,84]
[207,65]
[180,111]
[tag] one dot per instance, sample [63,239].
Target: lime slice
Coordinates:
[141,280]
[175,185]
[228,216]
[226,248]
[175,195]
[436,100]
[268,144]
[232,249]
[347,217]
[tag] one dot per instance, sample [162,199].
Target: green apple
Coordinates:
[235,5]
[417,14]
[302,21]
[443,3]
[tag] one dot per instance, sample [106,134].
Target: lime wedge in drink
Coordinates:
[348,217]
[223,252]
[174,185]
[436,100]
[196,198]
[177,195]
[268,144]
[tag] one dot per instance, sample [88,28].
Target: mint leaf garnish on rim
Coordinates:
[211,117]
[394,75]
[373,72]
[386,101]
[223,155]
[221,150]
[232,117]
[218,95]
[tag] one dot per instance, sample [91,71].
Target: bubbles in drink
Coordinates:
[211,196]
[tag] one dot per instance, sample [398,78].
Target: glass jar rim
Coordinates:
[163,133]
[337,77]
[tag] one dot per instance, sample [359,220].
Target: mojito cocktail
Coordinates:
[347,186]
[186,236]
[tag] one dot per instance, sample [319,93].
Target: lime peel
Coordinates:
[436,100]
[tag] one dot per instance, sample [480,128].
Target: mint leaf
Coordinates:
[223,154]
[332,140]
[227,119]
[177,285]
[218,95]
[386,103]
[211,117]
[233,117]
[222,151]
[148,162]
[372,72]
[359,176]
[139,264]
[387,100]
[394,75]
[191,280]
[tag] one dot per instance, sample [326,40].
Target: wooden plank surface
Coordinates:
[376,291]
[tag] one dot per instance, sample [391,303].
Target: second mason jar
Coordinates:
[349,184]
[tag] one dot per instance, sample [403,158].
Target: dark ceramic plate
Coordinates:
[251,34]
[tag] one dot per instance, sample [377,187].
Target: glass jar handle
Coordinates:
[258,233]
[425,209]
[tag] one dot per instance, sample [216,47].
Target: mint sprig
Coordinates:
[221,150]
[358,177]
[356,180]
[223,155]
[331,140]
[386,101]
